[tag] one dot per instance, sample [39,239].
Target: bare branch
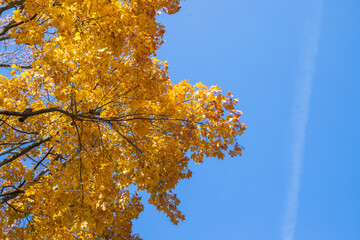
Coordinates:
[17,130]
[21,66]
[16,143]
[91,117]
[4,37]
[42,173]
[47,154]
[6,27]
[10,5]
[11,149]
[11,193]
[34,113]
[128,140]
[10,196]
[23,151]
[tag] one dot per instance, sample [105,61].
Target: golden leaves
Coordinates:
[117,123]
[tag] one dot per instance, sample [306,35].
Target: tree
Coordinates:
[89,118]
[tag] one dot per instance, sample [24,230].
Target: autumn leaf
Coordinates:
[106,121]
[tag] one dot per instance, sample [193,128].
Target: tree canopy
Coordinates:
[89,118]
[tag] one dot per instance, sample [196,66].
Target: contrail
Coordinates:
[300,112]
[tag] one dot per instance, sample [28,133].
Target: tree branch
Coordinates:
[23,151]
[9,65]
[4,37]
[11,193]
[16,143]
[47,154]
[9,196]
[10,5]
[11,149]
[6,27]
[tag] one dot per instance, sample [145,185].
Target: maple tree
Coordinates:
[89,118]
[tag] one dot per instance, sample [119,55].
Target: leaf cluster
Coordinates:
[105,119]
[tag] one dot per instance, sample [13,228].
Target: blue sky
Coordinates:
[294,65]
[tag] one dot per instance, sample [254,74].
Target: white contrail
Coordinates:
[301,112]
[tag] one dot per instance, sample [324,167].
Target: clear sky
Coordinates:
[295,67]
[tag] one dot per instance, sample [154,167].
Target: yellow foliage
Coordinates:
[106,117]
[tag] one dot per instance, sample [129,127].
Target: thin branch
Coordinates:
[85,117]
[6,186]
[10,196]
[4,37]
[6,27]
[23,151]
[16,143]
[42,173]
[17,192]
[9,65]
[10,5]
[34,113]
[11,149]
[47,154]
[17,130]
[16,210]
[128,140]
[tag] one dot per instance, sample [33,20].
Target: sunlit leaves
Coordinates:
[117,125]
